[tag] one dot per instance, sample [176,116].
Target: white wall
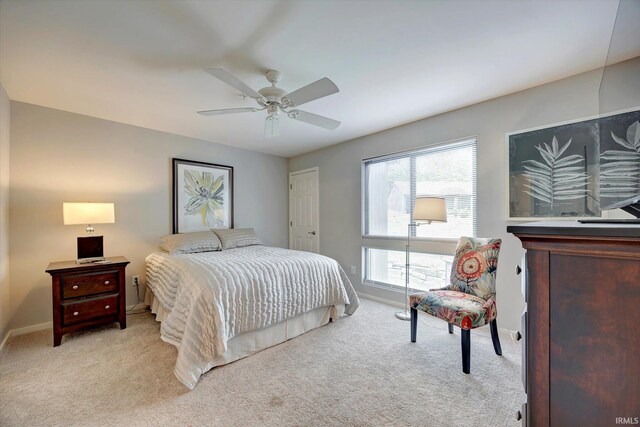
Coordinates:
[340,166]
[5,307]
[58,156]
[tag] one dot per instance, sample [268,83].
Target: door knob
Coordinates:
[518,336]
[518,416]
[518,270]
[312,232]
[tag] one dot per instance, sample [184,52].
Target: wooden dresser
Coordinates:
[581,327]
[86,295]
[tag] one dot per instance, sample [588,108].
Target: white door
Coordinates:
[303,211]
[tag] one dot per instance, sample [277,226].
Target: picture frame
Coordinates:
[581,149]
[202,196]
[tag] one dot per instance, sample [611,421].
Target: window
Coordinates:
[391,184]
[386,268]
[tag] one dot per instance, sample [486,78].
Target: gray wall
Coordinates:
[5,304]
[340,169]
[59,157]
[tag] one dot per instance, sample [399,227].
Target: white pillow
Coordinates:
[237,237]
[187,243]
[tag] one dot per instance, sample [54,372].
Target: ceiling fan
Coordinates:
[276,100]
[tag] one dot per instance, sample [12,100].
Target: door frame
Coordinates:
[315,169]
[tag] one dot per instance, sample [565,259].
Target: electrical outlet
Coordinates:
[353,269]
[135,280]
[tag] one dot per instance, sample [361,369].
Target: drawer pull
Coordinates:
[518,416]
[107,307]
[106,282]
[75,286]
[518,336]
[75,313]
[518,270]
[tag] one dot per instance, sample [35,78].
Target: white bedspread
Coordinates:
[214,296]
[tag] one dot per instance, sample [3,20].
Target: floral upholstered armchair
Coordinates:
[469,300]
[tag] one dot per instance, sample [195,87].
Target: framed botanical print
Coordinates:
[202,196]
[574,169]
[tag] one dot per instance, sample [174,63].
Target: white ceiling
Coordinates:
[140,62]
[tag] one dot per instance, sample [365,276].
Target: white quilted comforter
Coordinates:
[214,296]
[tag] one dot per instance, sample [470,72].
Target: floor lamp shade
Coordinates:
[427,209]
[430,209]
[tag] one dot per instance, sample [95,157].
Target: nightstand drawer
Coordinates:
[89,309]
[74,286]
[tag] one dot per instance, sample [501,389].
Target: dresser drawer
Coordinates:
[81,311]
[81,285]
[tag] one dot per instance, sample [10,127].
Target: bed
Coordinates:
[217,307]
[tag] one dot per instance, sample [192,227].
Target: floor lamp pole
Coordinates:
[406,315]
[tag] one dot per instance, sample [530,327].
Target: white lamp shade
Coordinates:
[88,213]
[430,209]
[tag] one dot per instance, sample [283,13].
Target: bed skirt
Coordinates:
[246,344]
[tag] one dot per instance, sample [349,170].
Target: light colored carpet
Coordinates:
[359,371]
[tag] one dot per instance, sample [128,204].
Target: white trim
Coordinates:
[421,148]
[483,331]
[381,300]
[413,239]
[32,328]
[315,169]
[506,181]
[42,326]
[6,338]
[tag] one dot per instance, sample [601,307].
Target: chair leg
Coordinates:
[466,350]
[414,324]
[495,338]
[450,328]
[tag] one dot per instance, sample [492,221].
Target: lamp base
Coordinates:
[403,315]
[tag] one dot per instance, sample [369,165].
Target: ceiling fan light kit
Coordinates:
[275,100]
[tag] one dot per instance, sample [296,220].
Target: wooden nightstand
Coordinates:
[86,295]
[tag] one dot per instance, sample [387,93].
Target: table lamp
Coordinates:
[90,248]
[427,210]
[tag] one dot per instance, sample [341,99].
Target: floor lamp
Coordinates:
[427,210]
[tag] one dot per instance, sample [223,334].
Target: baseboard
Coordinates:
[25,330]
[382,300]
[6,338]
[503,331]
[32,328]
[42,326]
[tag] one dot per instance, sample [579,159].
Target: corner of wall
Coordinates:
[5,305]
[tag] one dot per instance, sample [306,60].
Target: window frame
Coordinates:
[426,245]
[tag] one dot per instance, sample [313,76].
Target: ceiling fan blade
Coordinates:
[319,89]
[314,119]
[233,81]
[227,111]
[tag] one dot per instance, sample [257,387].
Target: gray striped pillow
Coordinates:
[237,237]
[187,243]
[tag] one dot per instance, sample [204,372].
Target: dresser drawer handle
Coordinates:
[75,286]
[518,336]
[106,282]
[75,313]
[107,307]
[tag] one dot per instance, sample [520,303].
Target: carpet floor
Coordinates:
[359,371]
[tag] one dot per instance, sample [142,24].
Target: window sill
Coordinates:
[413,239]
